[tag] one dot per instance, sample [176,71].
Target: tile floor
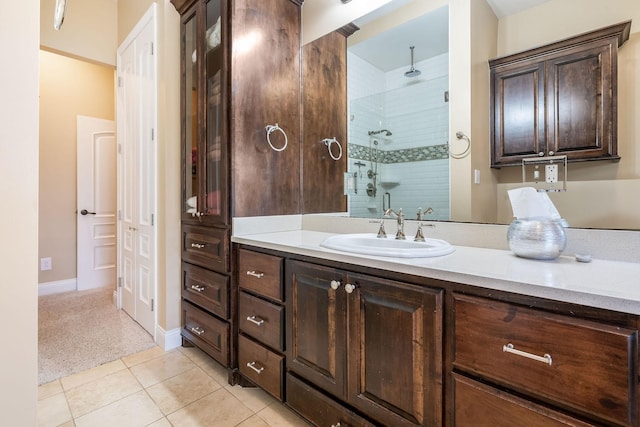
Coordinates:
[180,388]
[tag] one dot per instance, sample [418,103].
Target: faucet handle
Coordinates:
[381,233]
[421,213]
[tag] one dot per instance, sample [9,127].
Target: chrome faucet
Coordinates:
[419,234]
[400,216]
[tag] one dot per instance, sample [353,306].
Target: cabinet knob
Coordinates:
[349,288]
[335,425]
[551,153]
[335,284]
[541,154]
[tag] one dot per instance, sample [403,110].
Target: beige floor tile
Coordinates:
[49,389]
[143,356]
[254,398]
[210,366]
[278,415]
[163,422]
[136,410]
[53,411]
[218,409]
[92,374]
[101,392]
[254,421]
[69,424]
[183,389]
[161,368]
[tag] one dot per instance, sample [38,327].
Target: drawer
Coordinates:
[261,366]
[206,246]
[260,273]
[262,320]
[207,289]
[582,365]
[206,332]
[318,408]
[477,404]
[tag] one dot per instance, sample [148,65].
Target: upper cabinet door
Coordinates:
[205,136]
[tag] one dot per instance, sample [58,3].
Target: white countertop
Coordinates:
[612,285]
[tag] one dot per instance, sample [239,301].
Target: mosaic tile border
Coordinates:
[432,152]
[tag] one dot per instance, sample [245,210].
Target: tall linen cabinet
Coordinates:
[240,68]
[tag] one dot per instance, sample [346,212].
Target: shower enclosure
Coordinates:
[402,137]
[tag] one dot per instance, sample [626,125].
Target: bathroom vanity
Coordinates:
[477,337]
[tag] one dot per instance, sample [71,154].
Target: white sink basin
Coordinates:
[370,244]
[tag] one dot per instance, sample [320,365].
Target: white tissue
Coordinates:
[526,202]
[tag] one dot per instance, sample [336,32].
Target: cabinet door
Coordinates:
[316,329]
[517,113]
[581,110]
[395,351]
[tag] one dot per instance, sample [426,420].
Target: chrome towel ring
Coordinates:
[272,128]
[329,142]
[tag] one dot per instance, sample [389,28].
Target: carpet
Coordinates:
[82,330]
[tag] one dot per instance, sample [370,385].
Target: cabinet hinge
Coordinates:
[153,134]
[153,218]
[119,148]
[151,48]
[152,304]
[119,282]
[120,81]
[119,215]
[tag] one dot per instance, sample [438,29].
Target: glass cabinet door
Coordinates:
[190,208]
[215,147]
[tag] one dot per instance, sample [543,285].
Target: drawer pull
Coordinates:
[255,274]
[197,330]
[349,288]
[198,245]
[252,365]
[253,319]
[335,284]
[335,425]
[509,348]
[197,288]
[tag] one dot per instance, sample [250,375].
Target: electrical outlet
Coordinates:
[45,264]
[551,173]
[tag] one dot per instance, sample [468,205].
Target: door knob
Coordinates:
[86,212]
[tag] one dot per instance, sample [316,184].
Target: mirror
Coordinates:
[398,86]
[600,194]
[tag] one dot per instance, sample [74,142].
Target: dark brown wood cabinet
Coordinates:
[559,99]
[587,368]
[240,74]
[371,343]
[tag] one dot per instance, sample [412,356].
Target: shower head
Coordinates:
[412,72]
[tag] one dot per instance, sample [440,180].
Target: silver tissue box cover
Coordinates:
[537,238]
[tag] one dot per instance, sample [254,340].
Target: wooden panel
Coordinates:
[206,246]
[318,408]
[207,289]
[324,65]
[395,351]
[477,404]
[206,332]
[262,320]
[593,366]
[265,77]
[316,326]
[268,367]
[260,273]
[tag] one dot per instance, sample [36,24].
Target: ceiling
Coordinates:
[428,33]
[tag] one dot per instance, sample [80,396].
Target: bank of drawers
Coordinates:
[579,365]
[261,320]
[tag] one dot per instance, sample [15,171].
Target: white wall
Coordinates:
[19,46]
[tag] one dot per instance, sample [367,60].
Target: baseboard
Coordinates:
[56,287]
[168,340]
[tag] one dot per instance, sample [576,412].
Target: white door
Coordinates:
[96,203]
[137,173]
